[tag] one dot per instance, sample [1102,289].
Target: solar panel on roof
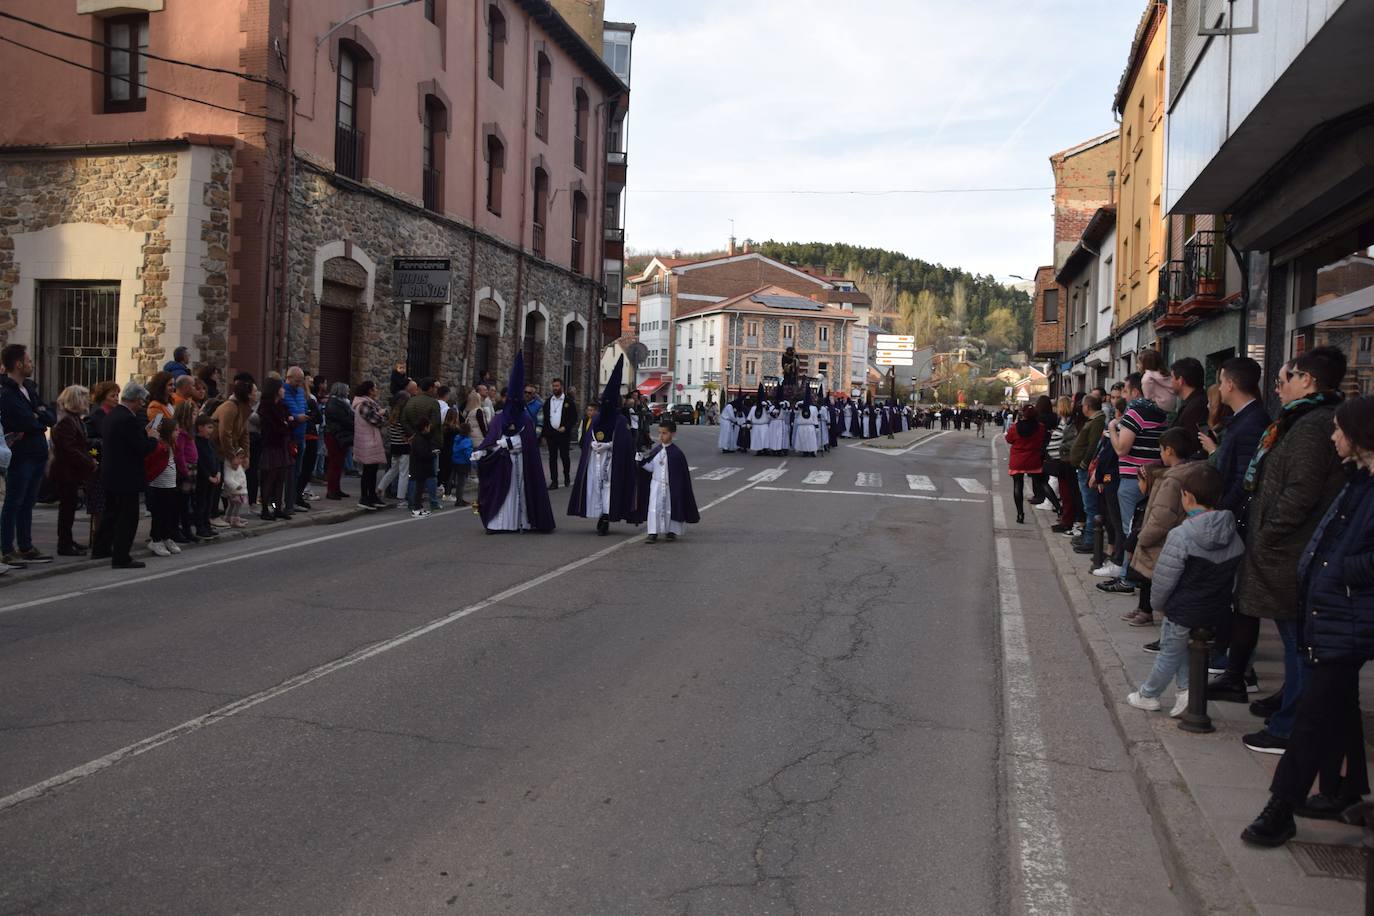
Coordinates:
[787,302]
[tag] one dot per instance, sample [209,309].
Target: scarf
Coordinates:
[1289,414]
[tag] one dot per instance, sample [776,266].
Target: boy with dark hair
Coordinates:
[1193,580]
[208,470]
[665,487]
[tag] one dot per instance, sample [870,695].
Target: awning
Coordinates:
[651,384]
[1100,357]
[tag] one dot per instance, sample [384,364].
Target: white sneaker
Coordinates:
[220,522]
[172,546]
[1108,570]
[419,513]
[1180,705]
[1149,704]
[159,549]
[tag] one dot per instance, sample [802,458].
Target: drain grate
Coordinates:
[1319,860]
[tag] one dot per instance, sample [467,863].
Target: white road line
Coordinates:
[896,452]
[868,479]
[228,710]
[919,482]
[719,473]
[767,475]
[1037,835]
[933,499]
[818,478]
[970,485]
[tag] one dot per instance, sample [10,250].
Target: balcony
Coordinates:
[615,157]
[1170,301]
[539,240]
[1204,273]
[541,124]
[615,169]
[614,234]
[434,190]
[348,152]
[576,256]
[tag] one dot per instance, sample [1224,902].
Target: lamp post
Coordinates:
[360,13]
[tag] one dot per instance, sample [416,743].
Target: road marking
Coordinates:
[933,499]
[719,473]
[818,477]
[895,452]
[970,485]
[868,479]
[191,726]
[1037,835]
[768,474]
[919,482]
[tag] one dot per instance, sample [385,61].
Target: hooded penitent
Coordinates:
[610,427]
[760,403]
[494,471]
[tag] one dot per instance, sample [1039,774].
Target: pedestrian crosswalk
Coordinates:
[913,486]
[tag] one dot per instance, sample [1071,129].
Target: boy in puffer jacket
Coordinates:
[1194,578]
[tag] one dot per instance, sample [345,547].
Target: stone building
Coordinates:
[244,175]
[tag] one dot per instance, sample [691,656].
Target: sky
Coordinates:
[730,98]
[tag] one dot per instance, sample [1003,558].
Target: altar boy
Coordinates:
[666,501]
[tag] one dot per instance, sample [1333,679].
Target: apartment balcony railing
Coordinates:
[577,256]
[614,234]
[539,239]
[1204,265]
[541,124]
[433,182]
[348,152]
[1168,314]
[615,157]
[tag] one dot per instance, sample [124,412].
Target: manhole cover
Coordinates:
[1319,860]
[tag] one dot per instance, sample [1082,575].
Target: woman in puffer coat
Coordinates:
[368,451]
[1336,582]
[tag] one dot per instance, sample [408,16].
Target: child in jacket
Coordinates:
[1194,578]
[207,476]
[422,470]
[461,451]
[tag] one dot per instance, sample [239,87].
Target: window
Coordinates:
[580,117]
[543,78]
[751,367]
[541,209]
[126,65]
[1051,305]
[496,46]
[579,229]
[432,157]
[823,333]
[751,329]
[496,172]
[616,53]
[348,139]
[612,211]
[429,10]
[789,332]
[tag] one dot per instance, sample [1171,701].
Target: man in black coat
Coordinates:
[25,420]
[126,441]
[560,420]
[1189,385]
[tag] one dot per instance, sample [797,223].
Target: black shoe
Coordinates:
[1116,587]
[1263,709]
[652,539]
[1060,529]
[181,537]
[333,496]
[1152,647]
[553,486]
[303,506]
[1020,518]
[131,564]
[1325,807]
[670,536]
[267,516]
[603,525]
[1264,742]
[1273,827]
[209,534]
[71,551]
[1227,688]
[1082,549]
[101,554]
[284,516]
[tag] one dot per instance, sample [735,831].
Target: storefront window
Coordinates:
[1336,306]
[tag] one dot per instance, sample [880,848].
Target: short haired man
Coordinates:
[25,420]
[1085,445]
[178,365]
[298,406]
[559,419]
[126,441]
[1188,379]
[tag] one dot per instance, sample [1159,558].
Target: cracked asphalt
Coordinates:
[795,709]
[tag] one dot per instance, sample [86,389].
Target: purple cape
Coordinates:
[683,503]
[621,505]
[494,480]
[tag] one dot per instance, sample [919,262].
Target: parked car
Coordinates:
[656,408]
[682,413]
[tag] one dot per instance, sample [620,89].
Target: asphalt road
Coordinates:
[830,697]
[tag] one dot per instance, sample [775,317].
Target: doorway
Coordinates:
[78,323]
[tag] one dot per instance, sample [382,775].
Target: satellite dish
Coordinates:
[637,353]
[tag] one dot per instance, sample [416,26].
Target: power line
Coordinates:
[858,193]
[250,77]
[175,95]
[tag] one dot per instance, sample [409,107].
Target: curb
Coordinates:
[1201,872]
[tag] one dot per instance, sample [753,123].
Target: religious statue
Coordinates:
[789,366]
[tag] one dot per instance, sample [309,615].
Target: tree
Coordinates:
[878,288]
[1002,332]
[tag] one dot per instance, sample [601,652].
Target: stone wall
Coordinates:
[326,211]
[126,192]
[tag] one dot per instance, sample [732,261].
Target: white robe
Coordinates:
[729,429]
[599,479]
[808,433]
[823,433]
[778,432]
[660,518]
[758,434]
[513,514]
[847,420]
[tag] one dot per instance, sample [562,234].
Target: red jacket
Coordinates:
[1027,440]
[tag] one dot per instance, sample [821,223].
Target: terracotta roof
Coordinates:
[745,304]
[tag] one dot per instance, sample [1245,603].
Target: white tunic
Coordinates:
[778,432]
[847,420]
[729,429]
[808,432]
[513,514]
[660,497]
[823,416]
[599,479]
[758,434]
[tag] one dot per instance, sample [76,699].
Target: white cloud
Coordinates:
[756,95]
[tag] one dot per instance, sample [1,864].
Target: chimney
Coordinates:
[748,245]
[731,250]
[1111,187]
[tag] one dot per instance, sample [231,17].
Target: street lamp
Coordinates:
[363,12]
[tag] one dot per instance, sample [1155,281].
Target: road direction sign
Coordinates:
[896,342]
[901,354]
[895,360]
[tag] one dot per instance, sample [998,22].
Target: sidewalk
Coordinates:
[1204,789]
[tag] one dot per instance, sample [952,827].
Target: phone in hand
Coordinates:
[157,422]
[1205,430]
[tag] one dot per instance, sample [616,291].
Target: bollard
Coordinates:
[1099,543]
[1195,719]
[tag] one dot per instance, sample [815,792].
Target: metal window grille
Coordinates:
[78,330]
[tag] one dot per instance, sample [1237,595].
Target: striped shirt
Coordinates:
[1144,418]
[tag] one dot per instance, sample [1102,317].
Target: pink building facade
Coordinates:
[260,229]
